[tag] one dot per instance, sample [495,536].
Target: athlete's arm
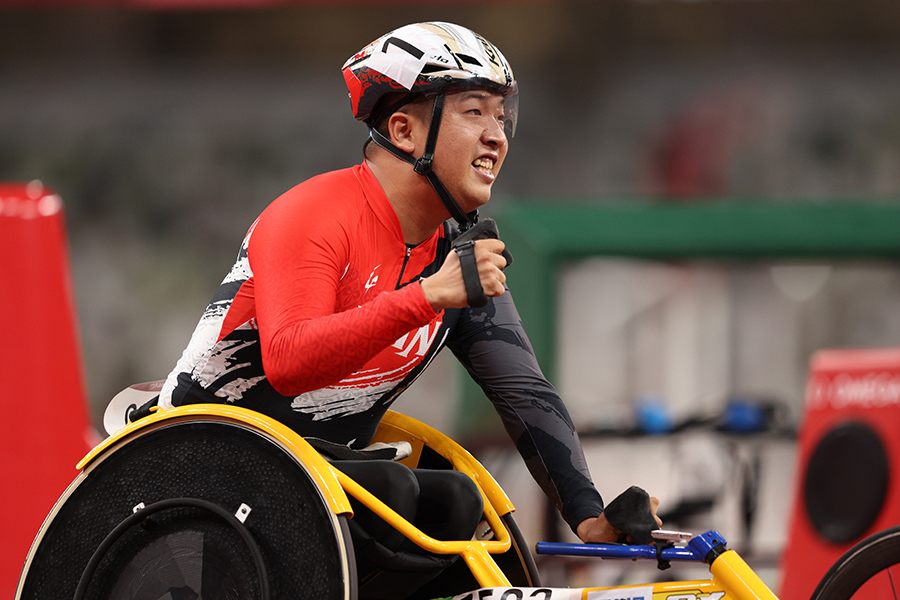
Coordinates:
[493,346]
[298,256]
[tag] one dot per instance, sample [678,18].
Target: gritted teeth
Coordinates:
[485,164]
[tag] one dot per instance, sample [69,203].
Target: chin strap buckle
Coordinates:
[424,165]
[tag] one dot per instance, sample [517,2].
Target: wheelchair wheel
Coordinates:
[871,569]
[192,509]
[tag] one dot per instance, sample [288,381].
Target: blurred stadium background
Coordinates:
[166,126]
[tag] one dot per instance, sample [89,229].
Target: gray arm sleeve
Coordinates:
[492,345]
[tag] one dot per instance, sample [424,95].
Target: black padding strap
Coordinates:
[630,513]
[475,293]
[465,248]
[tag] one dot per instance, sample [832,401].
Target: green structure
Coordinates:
[542,235]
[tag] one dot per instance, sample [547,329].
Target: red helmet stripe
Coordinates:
[355,86]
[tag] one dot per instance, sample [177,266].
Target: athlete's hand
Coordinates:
[597,530]
[446,288]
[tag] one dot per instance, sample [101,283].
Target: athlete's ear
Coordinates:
[403,130]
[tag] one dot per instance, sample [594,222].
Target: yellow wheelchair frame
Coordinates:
[731,577]
[335,485]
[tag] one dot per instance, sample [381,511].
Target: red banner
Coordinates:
[43,429]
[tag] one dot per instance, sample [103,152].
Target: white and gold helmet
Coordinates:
[430,59]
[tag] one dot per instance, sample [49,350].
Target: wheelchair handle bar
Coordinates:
[705,548]
[616,551]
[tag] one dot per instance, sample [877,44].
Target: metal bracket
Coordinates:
[242,512]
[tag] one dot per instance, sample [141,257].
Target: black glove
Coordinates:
[630,513]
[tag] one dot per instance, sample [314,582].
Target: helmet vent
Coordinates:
[468,59]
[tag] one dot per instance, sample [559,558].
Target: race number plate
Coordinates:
[644,592]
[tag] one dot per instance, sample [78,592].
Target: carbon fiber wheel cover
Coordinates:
[222,463]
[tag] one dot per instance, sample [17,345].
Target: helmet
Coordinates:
[430,59]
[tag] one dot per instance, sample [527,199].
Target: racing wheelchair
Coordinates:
[214,501]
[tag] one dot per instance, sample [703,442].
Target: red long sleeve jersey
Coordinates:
[318,306]
[321,323]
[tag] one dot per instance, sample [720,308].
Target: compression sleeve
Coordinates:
[298,253]
[492,345]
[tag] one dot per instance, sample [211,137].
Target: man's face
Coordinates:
[471,146]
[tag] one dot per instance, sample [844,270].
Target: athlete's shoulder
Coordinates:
[327,190]
[331,197]
[342,181]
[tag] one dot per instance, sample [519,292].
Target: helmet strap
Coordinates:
[425,165]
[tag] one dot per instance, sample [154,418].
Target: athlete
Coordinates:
[347,286]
